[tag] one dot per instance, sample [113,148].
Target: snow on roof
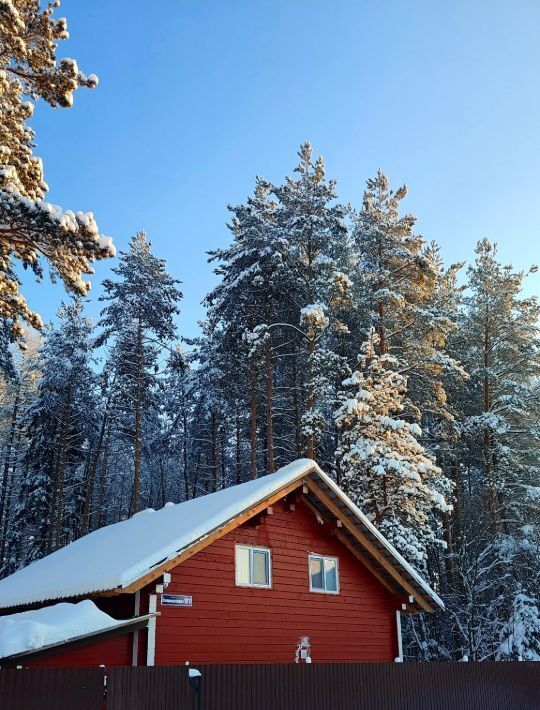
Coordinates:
[118,555]
[32,630]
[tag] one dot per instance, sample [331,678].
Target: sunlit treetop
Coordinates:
[32,229]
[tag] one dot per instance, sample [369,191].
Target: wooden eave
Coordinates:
[159,569]
[361,542]
[352,533]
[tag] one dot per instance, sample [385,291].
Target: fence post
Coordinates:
[104,704]
[195,678]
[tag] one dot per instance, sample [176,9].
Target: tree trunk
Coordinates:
[383,347]
[138,422]
[102,481]
[458,507]
[238,448]
[223,457]
[57,508]
[448,557]
[253,420]
[213,451]
[381,331]
[310,404]
[185,450]
[8,468]
[488,436]
[270,466]
[296,408]
[90,478]
[162,481]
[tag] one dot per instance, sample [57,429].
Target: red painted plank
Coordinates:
[229,624]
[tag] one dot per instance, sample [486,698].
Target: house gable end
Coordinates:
[316,495]
[230,623]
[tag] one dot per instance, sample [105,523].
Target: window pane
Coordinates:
[330,575]
[242,565]
[260,567]
[316,572]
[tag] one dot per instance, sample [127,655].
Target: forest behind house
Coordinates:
[334,332]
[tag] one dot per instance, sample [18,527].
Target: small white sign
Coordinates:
[176,600]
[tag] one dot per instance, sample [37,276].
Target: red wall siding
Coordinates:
[114,651]
[229,624]
[110,652]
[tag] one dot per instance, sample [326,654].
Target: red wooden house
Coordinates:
[284,568]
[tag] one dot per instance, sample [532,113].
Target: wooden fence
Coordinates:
[418,686]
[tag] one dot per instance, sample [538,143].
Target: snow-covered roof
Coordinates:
[31,631]
[117,556]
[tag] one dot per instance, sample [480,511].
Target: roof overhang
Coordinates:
[368,545]
[354,530]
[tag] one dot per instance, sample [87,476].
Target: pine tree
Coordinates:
[30,227]
[383,467]
[492,562]
[278,313]
[248,297]
[139,319]
[310,228]
[18,395]
[399,279]
[500,345]
[520,635]
[179,396]
[58,425]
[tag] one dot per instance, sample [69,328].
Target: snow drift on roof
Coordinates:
[119,554]
[32,630]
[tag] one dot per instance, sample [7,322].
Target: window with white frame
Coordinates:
[323,574]
[253,568]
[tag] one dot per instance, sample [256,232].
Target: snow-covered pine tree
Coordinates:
[497,527]
[212,425]
[278,315]
[520,634]
[30,227]
[17,396]
[384,469]
[310,228]
[493,562]
[179,390]
[139,320]
[500,345]
[58,426]
[399,278]
[249,296]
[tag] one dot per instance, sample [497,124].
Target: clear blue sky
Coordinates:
[198,96]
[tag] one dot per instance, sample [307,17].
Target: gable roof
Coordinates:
[127,555]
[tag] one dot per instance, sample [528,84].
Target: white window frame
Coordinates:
[317,556]
[252,549]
